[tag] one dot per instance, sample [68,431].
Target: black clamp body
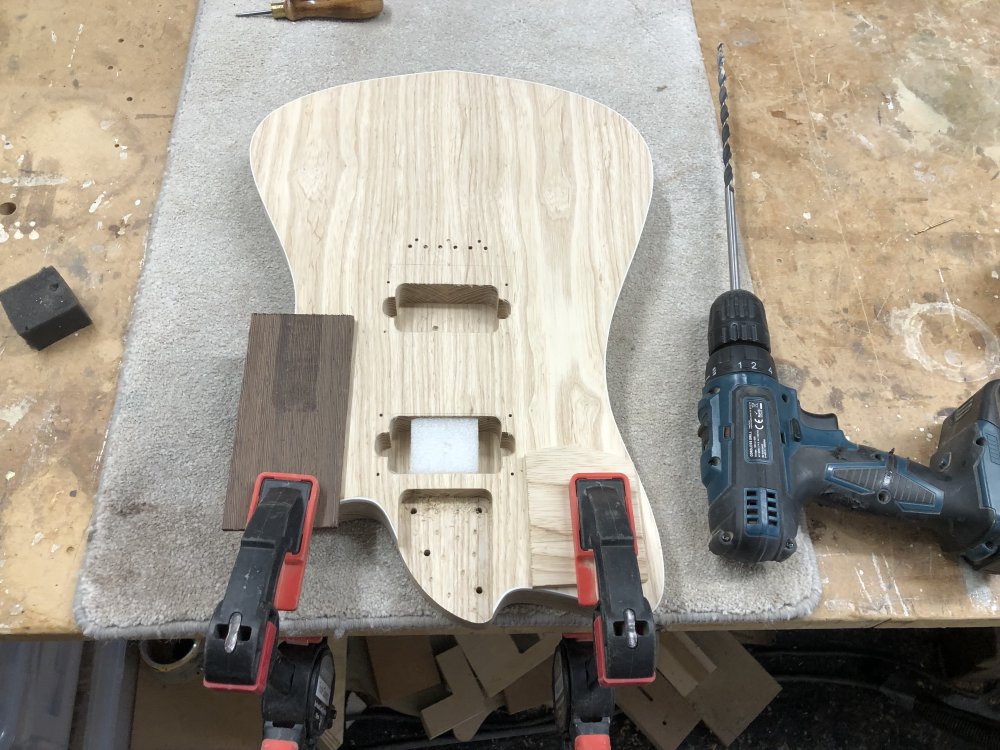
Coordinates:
[297,705]
[583,708]
[244,627]
[607,570]
[242,649]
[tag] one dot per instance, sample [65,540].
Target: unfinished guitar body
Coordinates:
[479,230]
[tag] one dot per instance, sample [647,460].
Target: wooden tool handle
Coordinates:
[350,10]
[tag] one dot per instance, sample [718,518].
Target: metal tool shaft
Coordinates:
[255,13]
[732,230]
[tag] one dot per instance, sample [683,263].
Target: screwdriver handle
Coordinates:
[347,10]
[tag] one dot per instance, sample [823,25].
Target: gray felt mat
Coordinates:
[157,560]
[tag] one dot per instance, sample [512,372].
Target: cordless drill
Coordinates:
[763,456]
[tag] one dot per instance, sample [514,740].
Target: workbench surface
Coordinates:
[867,148]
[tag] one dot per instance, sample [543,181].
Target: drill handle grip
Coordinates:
[865,478]
[958,500]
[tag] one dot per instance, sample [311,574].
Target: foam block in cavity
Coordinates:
[444,445]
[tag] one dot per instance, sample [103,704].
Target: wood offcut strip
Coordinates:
[292,414]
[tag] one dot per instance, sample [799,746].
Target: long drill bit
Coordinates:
[732,232]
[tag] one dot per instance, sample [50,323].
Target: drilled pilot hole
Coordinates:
[448,308]
[6,209]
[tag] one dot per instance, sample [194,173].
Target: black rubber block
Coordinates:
[43,309]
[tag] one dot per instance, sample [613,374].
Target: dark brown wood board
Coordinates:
[292,414]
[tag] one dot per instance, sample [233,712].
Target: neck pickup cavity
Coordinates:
[446,308]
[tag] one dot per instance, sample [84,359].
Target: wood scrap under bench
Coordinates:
[701,676]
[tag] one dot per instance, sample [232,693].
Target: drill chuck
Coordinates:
[738,340]
[737,317]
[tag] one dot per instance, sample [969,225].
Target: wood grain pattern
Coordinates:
[293,408]
[346,10]
[479,230]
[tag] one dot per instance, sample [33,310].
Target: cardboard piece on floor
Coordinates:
[687,665]
[497,661]
[659,711]
[755,637]
[705,676]
[402,665]
[333,737]
[468,728]
[736,692]
[531,690]
[360,677]
[466,701]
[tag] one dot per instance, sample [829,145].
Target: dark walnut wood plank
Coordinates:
[292,415]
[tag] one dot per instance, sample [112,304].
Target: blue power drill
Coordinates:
[763,456]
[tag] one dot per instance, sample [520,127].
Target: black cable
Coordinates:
[982,732]
[974,729]
[391,716]
[528,731]
[822,679]
[494,720]
[861,654]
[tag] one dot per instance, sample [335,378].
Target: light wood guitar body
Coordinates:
[479,230]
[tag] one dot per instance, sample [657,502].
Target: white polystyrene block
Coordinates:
[444,445]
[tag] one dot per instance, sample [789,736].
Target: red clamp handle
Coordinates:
[282,745]
[592,742]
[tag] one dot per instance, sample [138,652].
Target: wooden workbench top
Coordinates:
[867,149]
[867,153]
[88,100]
